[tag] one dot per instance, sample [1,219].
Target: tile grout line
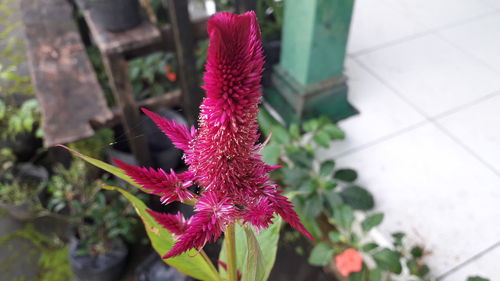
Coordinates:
[429,119]
[463,51]
[470,260]
[433,120]
[423,33]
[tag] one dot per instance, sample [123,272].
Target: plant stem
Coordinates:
[231,253]
[210,264]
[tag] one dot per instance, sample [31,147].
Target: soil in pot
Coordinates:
[115,15]
[104,267]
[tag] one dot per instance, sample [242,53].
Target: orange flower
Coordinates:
[349,261]
[171,76]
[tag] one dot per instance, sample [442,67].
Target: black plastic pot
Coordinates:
[106,267]
[115,15]
[154,269]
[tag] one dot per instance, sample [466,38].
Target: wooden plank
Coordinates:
[117,71]
[166,42]
[184,46]
[112,43]
[66,85]
[170,99]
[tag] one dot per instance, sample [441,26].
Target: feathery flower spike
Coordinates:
[222,155]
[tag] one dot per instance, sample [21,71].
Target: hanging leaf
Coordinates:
[254,269]
[190,263]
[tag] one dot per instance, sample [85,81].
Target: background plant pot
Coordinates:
[23,212]
[115,15]
[107,267]
[154,269]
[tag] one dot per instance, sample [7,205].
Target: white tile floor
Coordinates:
[425,75]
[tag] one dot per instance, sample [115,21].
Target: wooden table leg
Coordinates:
[184,48]
[117,71]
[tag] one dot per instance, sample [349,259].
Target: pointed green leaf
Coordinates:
[372,221]
[271,153]
[190,263]
[326,169]
[105,166]
[321,254]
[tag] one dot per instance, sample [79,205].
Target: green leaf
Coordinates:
[477,278]
[280,134]
[335,132]
[347,175]
[311,125]
[388,260]
[375,275]
[344,216]
[417,252]
[326,168]
[254,269]
[190,263]
[357,197]
[322,139]
[271,153]
[372,221]
[321,254]
[267,241]
[294,131]
[312,207]
[368,247]
[333,198]
[105,166]
[335,236]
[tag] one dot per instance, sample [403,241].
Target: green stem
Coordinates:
[230,241]
[210,264]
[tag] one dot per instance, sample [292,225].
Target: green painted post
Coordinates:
[308,81]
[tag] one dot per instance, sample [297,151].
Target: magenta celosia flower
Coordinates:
[222,154]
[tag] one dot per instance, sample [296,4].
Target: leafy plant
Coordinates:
[334,208]
[98,218]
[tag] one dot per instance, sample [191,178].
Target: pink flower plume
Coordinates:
[171,187]
[223,154]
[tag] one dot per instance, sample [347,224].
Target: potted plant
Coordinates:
[101,225]
[20,186]
[115,15]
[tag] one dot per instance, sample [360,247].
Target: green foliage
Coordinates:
[190,263]
[265,242]
[19,112]
[99,218]
[53,263]
[321,190]
[477,278]
[148,75]
[321,254]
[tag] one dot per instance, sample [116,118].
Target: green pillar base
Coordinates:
[295,102]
